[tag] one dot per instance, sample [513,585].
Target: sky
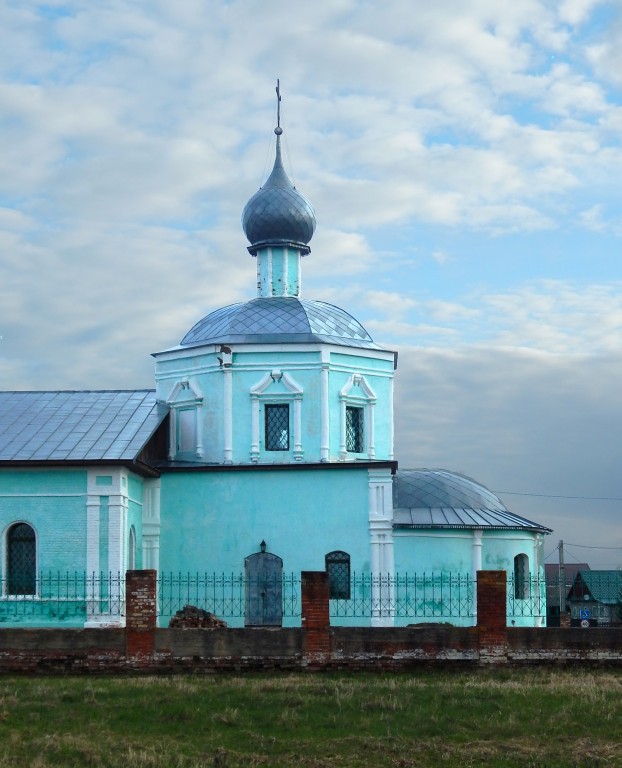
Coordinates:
[464,159]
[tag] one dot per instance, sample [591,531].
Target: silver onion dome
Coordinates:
[278,214]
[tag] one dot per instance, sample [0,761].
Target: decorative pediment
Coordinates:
[185,393]
[278,382]
[357,387]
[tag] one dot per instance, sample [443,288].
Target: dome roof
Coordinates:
[278,214]
[437,498]
[277,320]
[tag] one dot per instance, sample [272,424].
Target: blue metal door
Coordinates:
[263,573]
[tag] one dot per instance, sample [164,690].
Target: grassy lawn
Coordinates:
[525,718]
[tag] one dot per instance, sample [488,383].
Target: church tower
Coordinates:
[278,379]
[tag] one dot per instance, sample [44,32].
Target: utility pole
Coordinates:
[561,581]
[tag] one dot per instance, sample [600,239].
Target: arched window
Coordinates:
[21,560]
[338,570]
[131,560]
[521,577]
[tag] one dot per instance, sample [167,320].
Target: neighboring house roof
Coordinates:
[437,498]
[551,576]
[599,586]
[110,425]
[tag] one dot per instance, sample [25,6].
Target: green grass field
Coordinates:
[525,719]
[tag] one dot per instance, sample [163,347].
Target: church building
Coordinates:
[265,448]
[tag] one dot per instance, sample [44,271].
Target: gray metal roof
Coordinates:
[277,320]
[77,426]
[437,498]
[278,213]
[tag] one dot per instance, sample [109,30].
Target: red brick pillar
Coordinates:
[491,615]
[315,616]
[140,612]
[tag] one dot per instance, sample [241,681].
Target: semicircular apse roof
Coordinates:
[277,320]
[437,498]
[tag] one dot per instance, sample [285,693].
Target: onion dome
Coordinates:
[437,498]
[279,320]
[278,214]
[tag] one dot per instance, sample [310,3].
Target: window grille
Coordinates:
[521,577]
[277,427]
[338,569]
[21,560]
[354,429]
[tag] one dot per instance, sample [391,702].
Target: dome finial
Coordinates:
[278,214]
[278,130]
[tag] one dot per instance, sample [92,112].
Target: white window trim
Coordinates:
[260,394]
[184,396]
[368,403]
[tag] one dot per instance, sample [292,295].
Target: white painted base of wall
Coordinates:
[105,622]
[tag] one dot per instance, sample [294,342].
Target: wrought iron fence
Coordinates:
[226,595]
[526,596]
[57,596]
[437,596]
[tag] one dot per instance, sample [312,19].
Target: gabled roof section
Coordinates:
[110,425]
[600,586]
[551,576]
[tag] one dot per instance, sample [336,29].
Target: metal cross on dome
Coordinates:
[278,130]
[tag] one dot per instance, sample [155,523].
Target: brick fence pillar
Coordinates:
[140,612]
[491,616]
[315,616]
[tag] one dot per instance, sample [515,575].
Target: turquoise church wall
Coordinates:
[52,502]
[423,552]
[303,365]
[215,519]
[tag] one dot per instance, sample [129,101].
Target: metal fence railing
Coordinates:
[230,596]
[58,596]
[526,596]
[436,596]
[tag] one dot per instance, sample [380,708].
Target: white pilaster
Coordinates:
[298,286]
[151,524]
[269,286]
[324,413]
[391,418]
[298,453]
[228,414]
[110,482]
[477,552]
[255,428]
[381,547]
[285,287]
[371,420]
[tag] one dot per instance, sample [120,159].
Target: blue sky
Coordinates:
[464,159]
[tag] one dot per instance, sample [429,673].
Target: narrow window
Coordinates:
[277,427]
[186,430]
[521,577]
[354,429]
[21,560]
[338,570]
[131,560]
